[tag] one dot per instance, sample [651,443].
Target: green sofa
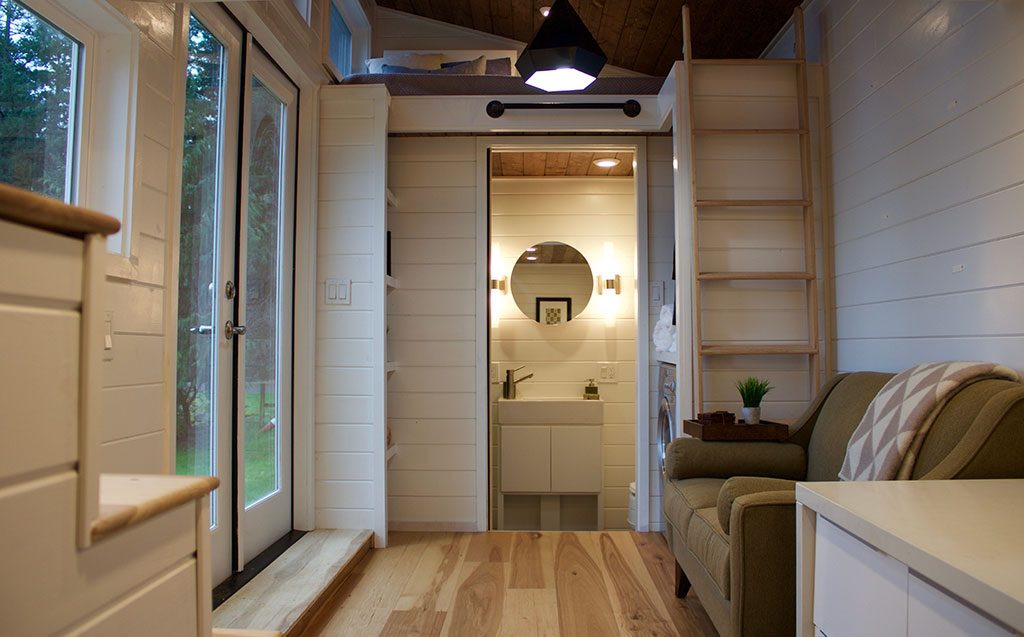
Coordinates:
[730,506]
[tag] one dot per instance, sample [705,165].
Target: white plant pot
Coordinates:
[752,415]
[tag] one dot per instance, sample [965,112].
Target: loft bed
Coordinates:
[477,72]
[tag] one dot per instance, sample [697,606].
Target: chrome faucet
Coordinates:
[508,388]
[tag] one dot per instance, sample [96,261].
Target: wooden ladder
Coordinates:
[808,275]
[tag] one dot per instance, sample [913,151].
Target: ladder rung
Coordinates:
[754,350]
[762,203]
[755,276]
[748,61]
[750,131]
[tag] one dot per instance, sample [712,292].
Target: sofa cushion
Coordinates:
[839,416]
[745,485]
[683,497]
[706,540]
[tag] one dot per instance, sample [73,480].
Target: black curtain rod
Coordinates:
[495,108]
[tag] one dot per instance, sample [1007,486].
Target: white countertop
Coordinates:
[967,536]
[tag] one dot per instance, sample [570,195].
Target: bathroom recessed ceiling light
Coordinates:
[544,11]
[532,249]
[606,162]
[531,258]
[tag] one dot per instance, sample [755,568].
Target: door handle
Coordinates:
[201,329]
[231,330]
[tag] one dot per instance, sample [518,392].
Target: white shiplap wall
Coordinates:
[584,213]
[927,131]
[432,319]
[134,438]
[349,412]
[661,231]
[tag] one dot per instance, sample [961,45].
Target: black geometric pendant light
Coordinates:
[563,56]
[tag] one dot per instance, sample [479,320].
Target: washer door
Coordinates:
[666,430]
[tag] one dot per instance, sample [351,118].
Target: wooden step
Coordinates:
[755,276]
[751,203]
[756,350]
[747,61]
[293,592]
[750,131]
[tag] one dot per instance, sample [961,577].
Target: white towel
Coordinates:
[664,333]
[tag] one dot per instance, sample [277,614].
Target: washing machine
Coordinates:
[667,426]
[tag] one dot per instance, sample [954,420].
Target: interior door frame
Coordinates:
[258,64]
[638,146]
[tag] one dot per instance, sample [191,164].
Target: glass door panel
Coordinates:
[265,306]
[262,466]
[206,258]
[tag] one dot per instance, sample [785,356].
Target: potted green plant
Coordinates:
[752,391]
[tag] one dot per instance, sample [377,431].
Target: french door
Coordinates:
[234,300]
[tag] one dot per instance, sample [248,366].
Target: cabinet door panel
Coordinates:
[933,612]
[575,459]
[849,577]
[525,459]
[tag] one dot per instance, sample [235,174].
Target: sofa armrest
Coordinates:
[693,458]
[745,485]
[762,563]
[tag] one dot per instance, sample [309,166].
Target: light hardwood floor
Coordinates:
[517,584]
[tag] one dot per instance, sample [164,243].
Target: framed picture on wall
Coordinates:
[554,310]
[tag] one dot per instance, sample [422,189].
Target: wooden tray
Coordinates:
[766,430]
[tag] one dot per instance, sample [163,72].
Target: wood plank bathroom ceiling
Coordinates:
[573,164]
[641,35]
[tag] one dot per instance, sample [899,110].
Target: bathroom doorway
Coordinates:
[566,308]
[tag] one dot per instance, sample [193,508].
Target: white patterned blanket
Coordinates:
[886,442]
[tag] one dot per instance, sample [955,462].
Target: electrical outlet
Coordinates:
[960,267]
[608,373]
[613,373]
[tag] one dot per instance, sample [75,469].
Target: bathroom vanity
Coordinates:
[551,464]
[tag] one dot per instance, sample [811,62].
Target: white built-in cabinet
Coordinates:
[81,553]
[915,558]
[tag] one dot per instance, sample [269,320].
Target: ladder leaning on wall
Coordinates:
[702,207]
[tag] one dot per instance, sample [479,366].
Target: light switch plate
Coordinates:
[608,372]
[657,295]
[338,292]
[108,336]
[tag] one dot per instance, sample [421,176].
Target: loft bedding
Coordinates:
[413,74]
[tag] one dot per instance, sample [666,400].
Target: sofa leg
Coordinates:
[682,582]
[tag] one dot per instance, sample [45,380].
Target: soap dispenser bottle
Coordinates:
[590,391]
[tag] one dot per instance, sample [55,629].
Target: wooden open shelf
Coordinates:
[756,350]
[755,276]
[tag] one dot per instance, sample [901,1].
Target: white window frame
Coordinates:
[103,158]
[358,25]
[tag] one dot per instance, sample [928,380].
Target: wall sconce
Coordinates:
[606,283]
[500,285]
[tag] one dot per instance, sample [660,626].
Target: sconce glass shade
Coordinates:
[563,56]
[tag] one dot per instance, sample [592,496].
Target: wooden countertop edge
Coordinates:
[30,209]
[127,500]
[245,632]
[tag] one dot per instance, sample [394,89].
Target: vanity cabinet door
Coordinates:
[576,459]
[525,459]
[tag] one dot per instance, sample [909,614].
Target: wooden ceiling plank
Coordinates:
[481,12]
[512,164]
[665,13]
[556,164]
[613,19]
[496,165]
[501,17]
[625,167]
[522,19]
[578,164]
[533,164]
[638,22]
[673,49]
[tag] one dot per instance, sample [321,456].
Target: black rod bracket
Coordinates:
[496,108]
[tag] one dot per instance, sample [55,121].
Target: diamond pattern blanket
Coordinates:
[885,444]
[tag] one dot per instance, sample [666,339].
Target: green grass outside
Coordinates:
[193,454]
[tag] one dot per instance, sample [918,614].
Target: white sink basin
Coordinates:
[550,411]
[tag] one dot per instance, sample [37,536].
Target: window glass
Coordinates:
[38,102]
[340,45]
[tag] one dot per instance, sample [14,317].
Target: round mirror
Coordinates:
[552,283]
